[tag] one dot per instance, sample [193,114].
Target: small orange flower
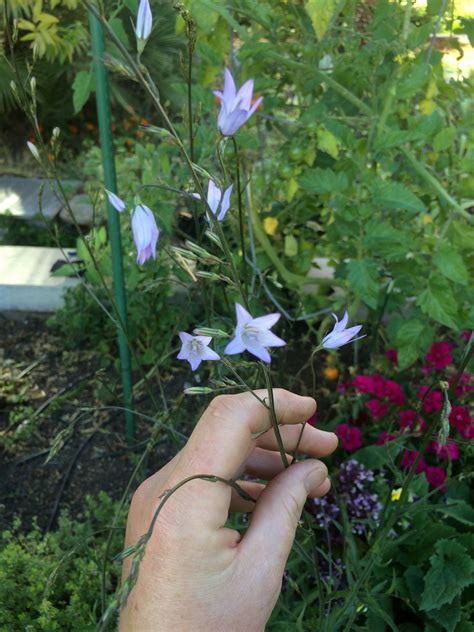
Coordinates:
[140,133]
[114,127]
[50,157]
[90,126]
[74,129]
[144,121]
[331,373]
[130,142]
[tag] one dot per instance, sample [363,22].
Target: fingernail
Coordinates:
[315,478]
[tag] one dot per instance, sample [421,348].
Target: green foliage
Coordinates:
[52,581]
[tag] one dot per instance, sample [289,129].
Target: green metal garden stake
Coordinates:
[105,132]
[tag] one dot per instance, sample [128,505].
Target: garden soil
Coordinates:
[44,391]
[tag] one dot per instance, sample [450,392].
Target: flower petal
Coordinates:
[341,325]
[243,99]
[194,361]
[185,337]
[235,346]
[242,315]
[268,339]
[229,87]
[225,203]
[260,352]
[267,321]
[209,354]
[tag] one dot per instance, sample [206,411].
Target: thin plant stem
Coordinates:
[241,213]
[273,417]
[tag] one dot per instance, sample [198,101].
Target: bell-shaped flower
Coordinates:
[195,349]
[340,336]
[216,201]
[118,204]
[145,233]
[236,107]
[144,20]
[254,335]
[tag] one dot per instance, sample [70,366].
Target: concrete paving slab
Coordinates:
[20,197]
[26,284]
[82,210]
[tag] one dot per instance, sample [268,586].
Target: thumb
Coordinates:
[278,510]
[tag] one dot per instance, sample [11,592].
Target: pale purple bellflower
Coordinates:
[340,336]
[195,349]
[254,335]
[144,20]
[236,107]
[214,196]
[118,204]
[145,233]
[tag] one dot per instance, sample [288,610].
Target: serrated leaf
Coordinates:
[395,195]
[438,302]
[451,571]
[323,181]
[363,278]
[448,616]
[322,12]
[450,263]
[81,89]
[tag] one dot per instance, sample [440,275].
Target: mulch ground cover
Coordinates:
[44,393]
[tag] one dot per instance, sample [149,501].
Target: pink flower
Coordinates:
[312,420]
[468,433]
[408,458]
[466,335]
[363,384]
[460,419]
[433,402]
[384,437]
[440,355]
[447,452]
[392,356]
[409,419]
[464,384]
[377,409]
[394,393]
[350,436]
[371,384]
[435,476]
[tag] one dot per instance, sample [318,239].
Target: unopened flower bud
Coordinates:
[34,150]
[56,132]
[209,331]
[33,86]
[198,390]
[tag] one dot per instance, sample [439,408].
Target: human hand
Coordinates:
[197,575]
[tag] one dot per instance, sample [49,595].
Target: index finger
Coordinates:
[224,439]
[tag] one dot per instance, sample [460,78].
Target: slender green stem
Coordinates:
[273,417]
[241,213]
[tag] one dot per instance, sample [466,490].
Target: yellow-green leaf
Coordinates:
[328,142]
[322,12]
